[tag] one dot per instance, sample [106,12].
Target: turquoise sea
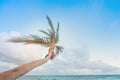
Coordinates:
[70,77]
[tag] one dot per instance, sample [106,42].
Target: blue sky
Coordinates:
[90,24]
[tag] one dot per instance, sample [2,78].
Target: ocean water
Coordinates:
[70,77]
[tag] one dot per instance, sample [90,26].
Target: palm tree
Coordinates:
[50,40]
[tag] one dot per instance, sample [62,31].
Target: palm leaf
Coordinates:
[43,41]
[44,32]
[31,40]
[52,35]
[58,25]
[57,33]
[33,36]
[59,49]
[50,23]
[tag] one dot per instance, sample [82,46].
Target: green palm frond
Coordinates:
[59,49]
[57,33]
[50,23]
[51,37]
[32,39]
[44,32]
[35,37]
[58,25]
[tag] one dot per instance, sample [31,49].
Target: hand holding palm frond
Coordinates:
[52,37]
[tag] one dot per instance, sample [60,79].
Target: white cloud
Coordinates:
[71,61]
[76,61]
